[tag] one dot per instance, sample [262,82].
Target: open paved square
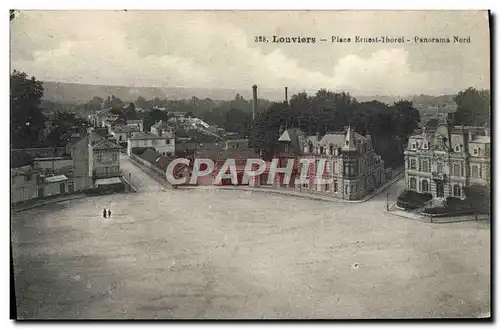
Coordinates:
[236,254]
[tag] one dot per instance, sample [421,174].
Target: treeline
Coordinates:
[389,125]
[29,126]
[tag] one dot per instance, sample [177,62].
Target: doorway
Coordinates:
[439,189]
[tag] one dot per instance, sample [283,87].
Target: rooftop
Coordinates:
[146,135]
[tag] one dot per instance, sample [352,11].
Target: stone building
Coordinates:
[352,168]
[445,161]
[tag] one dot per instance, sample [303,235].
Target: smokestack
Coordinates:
[254,110]
[286,95]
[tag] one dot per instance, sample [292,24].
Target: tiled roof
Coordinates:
[105,144]
[145,135]
[124,129]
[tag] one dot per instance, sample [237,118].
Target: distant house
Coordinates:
[177,114]
[161,128]
[122,133]
[139,124]
[163,144]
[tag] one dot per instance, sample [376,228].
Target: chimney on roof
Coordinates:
[254,105]
[286,95]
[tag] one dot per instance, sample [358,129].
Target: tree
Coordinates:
[62,125]
[26,118]
[95,104]
[141,102]
[473,107]
[237,121]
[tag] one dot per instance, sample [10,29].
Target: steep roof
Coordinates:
[295,137]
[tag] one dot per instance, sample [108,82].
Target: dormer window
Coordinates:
[424,145]
[413,146]
[476,151]
[457,148]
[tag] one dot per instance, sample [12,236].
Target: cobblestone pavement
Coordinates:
[238,254]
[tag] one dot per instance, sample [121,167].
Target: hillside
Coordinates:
[81,93]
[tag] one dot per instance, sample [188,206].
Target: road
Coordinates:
[209,254]
[140,180]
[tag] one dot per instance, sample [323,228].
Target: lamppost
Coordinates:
[387,201]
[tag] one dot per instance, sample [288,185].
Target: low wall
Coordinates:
[147,164]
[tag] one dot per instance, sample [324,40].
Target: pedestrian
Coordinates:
[109,213]
[104,213]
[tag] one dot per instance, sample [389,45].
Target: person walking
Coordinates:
[109,213]
[104,213]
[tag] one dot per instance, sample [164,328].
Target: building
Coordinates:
[161,128]
[80,179]
[352,168]
[123,132]
[104,160]
[446,161]
[138,124]
[163,144]
[23,184]
[241,143]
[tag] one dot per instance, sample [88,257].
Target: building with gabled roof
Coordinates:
[352,169]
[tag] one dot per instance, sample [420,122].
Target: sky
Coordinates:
[217,49]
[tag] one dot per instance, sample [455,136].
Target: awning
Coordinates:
[108,181]
[56,179]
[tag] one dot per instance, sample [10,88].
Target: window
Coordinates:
[413,146]
[456,169]
[425,146]
[474,171]
[425,166]
[413,164]
[327,187]
[413,183]
[425,186]
[27,177]
[99,158]
[480,171]
[115,157]
[456,190]
[335,186]
[305,185]
[462,170]
[475,151]
[120,139]
[457,148]
[346,190]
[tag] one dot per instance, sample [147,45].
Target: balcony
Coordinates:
[438,175]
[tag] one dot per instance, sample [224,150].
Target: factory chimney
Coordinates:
[286,95]
[254,109]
